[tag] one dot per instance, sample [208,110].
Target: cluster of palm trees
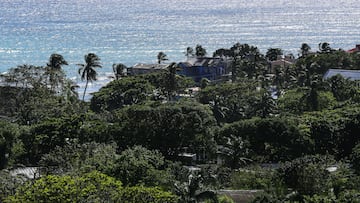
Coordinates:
[53,77]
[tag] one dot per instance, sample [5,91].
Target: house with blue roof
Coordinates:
[348,74]
[211,68]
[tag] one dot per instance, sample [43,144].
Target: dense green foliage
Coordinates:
[272,139]
[139,165]
[93,186]
[167,127]
[120,93]
[74,158]
[124,144]
[90,187]
[250,179]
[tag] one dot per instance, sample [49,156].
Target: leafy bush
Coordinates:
[139,165]
[355,158]
[167,127]
[140,194]
[251,179]
[296,101]
[120,93]
[91,187]
[8,138]
[307,175]
[270,139]
[75,158]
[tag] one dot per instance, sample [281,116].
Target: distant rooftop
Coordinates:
[203,61]
[354,50]
[150,66]
[29,172]
[348,74]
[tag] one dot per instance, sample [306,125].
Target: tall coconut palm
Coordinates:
[118,69]
[87,70]
[161,57]
[53,69]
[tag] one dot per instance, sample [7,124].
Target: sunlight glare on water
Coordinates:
[132,31]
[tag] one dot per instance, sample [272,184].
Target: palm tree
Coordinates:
[273,53]
[170,82]
[305,49]
[200,51]
[118,69]
[87,70]
[53,69]
[324,47]
[189,52]
[235,151]
[69,91]
[161,57]
[192,191]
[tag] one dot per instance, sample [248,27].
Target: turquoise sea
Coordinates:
[132,31]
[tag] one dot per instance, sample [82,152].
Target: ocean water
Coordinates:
[132,31]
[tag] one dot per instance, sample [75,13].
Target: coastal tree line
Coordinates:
[127,138]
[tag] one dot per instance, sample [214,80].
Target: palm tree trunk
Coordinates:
[87,81]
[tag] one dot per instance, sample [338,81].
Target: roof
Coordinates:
[348,74]
[29,172]
[150,66]
[203,61]
[190,155]
[354,50]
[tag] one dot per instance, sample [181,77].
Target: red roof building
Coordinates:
[354,50]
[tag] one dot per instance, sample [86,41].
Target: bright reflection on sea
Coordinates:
[131,31]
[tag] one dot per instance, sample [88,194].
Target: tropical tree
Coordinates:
[75,158]
[273,53]
[304,49]
[223,53]
[200,51]
[170,81]
[343,88]
[118,69]
[69,92]
[247,61]
[53,69]
[193,191]
[90,187]
[161,57]
[120,93]
[189,52]
[168,127]
[8,137]
[265,105]
[324,47]
[138,165]
[87,70]
[235,151]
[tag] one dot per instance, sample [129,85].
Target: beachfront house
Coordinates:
[211,68]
